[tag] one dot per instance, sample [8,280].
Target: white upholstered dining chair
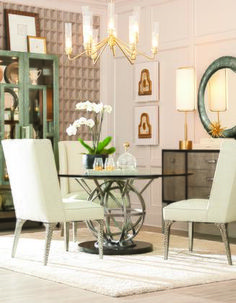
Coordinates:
[219,209]
[70,162]
[36,192]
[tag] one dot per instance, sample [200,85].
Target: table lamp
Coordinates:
[185,98]
[218,99]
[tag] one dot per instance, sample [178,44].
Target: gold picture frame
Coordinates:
[36,44]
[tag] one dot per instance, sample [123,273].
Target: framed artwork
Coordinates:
[19,25]
[146,123]
[36,44]
[146,82]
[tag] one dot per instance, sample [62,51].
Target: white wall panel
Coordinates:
[214,17]
[174,18]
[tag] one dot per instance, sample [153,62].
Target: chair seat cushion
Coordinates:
[193,210]
[82,210]
[75,196]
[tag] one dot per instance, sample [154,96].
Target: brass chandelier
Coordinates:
[94,49]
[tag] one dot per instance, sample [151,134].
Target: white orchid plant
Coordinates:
[95,127]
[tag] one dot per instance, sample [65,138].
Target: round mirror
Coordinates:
[222,69]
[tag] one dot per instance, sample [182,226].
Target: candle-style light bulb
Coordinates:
[136,15]
[87,27]
[155,37]
[68,38]
[111,18]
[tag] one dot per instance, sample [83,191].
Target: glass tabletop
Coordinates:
[138,173]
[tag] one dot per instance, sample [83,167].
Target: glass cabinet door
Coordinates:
[11,110]
[28,105]
[41,96]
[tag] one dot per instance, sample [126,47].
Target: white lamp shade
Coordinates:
[218,91]
[185,89]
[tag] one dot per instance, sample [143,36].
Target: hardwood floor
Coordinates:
[19,288]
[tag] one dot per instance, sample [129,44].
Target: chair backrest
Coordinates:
[222,202]
[33,179]
[70,162]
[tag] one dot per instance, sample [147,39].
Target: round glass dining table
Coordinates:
[120,192]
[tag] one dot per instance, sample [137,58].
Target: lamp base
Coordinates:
[185,145]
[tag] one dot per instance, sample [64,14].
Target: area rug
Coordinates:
[115,275]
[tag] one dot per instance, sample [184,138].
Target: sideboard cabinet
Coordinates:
[29,104]
[201,163]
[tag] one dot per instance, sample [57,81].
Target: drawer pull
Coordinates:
[211,161]
[209,179]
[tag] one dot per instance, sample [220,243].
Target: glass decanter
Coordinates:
[126,160]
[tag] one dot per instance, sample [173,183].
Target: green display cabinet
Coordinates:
[29,107]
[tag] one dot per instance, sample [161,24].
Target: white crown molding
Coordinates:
[98,7]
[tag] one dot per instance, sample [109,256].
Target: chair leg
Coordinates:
[62,230]
[66,235]
[74,226]
[167,226]
[49,230]
[224,234]
[100,238]
[190,235]
[18,228]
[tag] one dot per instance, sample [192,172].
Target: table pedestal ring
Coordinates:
[122,220]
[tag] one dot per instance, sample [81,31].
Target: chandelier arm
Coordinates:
[123,51]
[146,56]
[102,43]
[99,46]
[102,48]
[125,45]
[75,57]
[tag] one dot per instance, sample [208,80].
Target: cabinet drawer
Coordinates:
[201,178]
[198,192]
[202,160]
[174,188]
[173,162]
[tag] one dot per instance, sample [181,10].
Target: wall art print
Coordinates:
[146,82]
[146,125]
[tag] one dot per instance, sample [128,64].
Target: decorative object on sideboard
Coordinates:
[99,147]
[220,63]
[93,49]
[185,98]
[19,25]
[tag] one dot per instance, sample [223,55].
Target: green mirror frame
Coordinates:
[220,63]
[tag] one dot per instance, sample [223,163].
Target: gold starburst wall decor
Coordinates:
[216,130]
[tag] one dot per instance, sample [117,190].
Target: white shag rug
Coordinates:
[115,275]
